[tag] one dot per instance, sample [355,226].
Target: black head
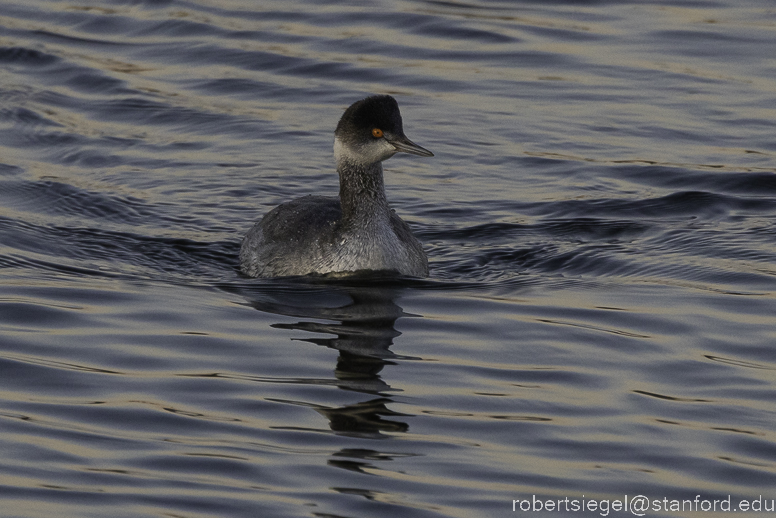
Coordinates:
[372,128]
[377,111]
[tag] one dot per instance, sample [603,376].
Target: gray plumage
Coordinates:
[357,231]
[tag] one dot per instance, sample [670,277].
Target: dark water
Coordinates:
[599,219]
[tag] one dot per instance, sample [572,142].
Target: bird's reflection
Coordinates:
[360,321]
[363,418]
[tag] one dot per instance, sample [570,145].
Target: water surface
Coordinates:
[599,218]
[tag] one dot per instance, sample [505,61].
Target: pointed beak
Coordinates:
[405,145]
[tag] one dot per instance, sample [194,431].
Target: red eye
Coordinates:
[377,133]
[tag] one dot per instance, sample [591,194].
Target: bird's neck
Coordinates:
[362,193]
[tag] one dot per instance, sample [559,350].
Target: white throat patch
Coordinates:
[371,153]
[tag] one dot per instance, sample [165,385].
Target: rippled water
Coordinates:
[599,219]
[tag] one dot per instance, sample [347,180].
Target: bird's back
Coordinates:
[307,235]
[290,239]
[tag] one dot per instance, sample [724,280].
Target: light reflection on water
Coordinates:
[598,215]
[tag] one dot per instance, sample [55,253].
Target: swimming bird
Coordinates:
[354,232]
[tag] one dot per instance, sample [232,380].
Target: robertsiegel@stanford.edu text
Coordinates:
[640,505]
